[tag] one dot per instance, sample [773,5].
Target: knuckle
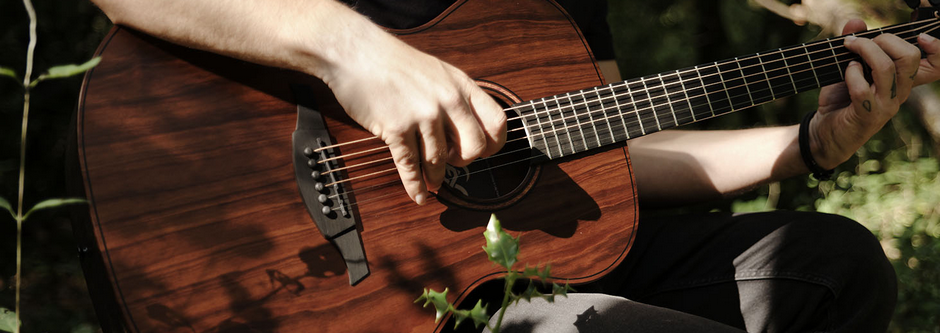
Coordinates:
[436,157]
[407,160]
[474,149]
[883,65]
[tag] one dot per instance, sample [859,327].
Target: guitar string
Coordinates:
[607,118]
[546,144]
[718,72]
[925,24]
[397,181]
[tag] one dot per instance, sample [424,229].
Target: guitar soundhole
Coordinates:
[497,179]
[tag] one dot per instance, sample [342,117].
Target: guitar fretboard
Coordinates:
[566,124]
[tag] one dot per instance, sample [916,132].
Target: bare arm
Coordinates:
[680,167]
[427,111]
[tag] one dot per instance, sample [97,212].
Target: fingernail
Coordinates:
[849,39]
[419,199]
[854,63]
[927,38]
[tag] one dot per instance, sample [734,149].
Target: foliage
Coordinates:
[898,200]
[502,249]
[63,71]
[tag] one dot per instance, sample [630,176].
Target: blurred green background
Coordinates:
[891,186]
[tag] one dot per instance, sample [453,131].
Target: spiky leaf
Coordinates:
[501,248]
[62,71]
[561,290]
[7,320]
[530,292]
[439,300]
[478,314]
[53,203]
[9,72]
[6,205]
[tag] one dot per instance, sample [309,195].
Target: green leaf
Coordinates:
[63,71]
[478,314]
[501,248]
[6,205]
[534,272]
[439,300]
[7,320]
[53,203]
[9,72]
[530,292]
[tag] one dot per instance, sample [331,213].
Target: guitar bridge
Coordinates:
[322,187]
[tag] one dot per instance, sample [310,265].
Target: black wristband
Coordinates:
[818,172]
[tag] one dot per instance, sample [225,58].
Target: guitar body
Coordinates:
[197,224]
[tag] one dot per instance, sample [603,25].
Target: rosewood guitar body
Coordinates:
[197,224]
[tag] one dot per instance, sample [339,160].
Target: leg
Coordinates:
[766,272]
[583,313]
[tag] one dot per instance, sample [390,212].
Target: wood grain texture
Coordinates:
[195,211]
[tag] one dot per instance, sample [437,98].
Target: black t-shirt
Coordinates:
[590,15]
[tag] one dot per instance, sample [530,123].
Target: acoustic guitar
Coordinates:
[226,196]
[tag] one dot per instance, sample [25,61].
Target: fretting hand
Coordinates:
[852,112]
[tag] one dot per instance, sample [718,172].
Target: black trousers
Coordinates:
[762,272]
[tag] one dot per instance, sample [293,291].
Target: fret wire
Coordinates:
[834,55]
[574,112]
[769,84]
[619,110]
[635,107]
[668,102]
[541,129]
[587,106]
[787,66]
[705,90]
[810,60]
[565,122]
[687,99]
[727,93]
[655,116]
[744,78]
[552,122]
[601,101]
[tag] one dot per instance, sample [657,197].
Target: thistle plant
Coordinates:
[10,321]
[502,249]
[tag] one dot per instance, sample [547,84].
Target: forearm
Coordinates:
[681,167]
[308,36]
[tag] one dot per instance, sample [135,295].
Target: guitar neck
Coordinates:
[574,122]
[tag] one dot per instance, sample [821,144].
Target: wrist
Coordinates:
[813,151]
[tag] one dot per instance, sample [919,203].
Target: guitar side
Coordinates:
[195,210]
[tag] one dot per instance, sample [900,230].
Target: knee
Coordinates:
[847,249]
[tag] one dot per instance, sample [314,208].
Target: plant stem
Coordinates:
[502,309]
[19,206]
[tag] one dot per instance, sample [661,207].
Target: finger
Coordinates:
[492,118]
[433,153]
[929,70]
[859,90]
[883,71]
[467,138]
[405,155]
[906,58]
[853,26]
